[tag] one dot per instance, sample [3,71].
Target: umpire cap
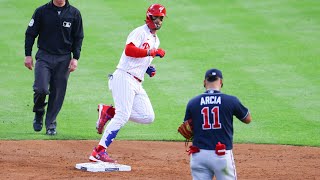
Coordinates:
[213,74]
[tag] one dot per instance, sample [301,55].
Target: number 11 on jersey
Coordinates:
[205,111]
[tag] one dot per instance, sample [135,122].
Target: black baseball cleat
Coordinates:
[37,121]
[51,132]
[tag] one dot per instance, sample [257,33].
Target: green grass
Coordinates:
[267,50]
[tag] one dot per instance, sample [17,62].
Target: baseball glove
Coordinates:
[186,129]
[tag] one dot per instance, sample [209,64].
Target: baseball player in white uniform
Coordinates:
[130,99]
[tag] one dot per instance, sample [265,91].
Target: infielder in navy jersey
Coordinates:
[212,120]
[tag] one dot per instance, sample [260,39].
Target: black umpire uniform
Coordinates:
[60,33]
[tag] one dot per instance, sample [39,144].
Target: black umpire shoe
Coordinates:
[51,132]
[37,121]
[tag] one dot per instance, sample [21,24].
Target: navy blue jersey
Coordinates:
[212,117]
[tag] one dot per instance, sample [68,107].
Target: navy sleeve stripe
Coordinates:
[245,116]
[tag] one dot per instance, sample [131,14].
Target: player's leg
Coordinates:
[142,111]
[123,91]
[105,113]
[58,87]
[199,168]
[224,166]
[40,87]
[231,167]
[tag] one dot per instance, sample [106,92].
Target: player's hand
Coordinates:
[28,62]
[151,71]
[73,65]
[156,52]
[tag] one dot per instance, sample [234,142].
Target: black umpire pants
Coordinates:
[51,75]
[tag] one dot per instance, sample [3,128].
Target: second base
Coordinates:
[102,167]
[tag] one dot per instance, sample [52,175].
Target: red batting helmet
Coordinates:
[155,10]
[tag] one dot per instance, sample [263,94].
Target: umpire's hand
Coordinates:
[28,62]
[73,65]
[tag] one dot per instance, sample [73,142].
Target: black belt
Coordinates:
[139,80]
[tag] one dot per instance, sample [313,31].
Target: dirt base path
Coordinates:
[150,160]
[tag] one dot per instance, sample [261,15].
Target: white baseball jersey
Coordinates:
[130,99]
[142,38]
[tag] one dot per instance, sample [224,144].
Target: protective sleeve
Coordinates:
[133,51]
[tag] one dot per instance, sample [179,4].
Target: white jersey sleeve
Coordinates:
[136,37]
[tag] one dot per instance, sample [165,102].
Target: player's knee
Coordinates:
[149,118]
[143,118]
[40,91]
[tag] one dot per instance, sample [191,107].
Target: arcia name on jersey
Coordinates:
[210,100]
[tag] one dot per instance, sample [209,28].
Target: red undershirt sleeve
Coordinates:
[133,51]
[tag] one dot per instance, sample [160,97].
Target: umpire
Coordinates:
[58,26]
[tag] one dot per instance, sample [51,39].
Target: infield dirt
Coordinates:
[53,159]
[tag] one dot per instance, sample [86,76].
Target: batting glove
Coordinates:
[151,71]
[156,52]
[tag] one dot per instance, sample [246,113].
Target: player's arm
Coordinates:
[241,112]
[186,128]
[78,36]
[247,119]
[188,114]
[133,51]
[32,32]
